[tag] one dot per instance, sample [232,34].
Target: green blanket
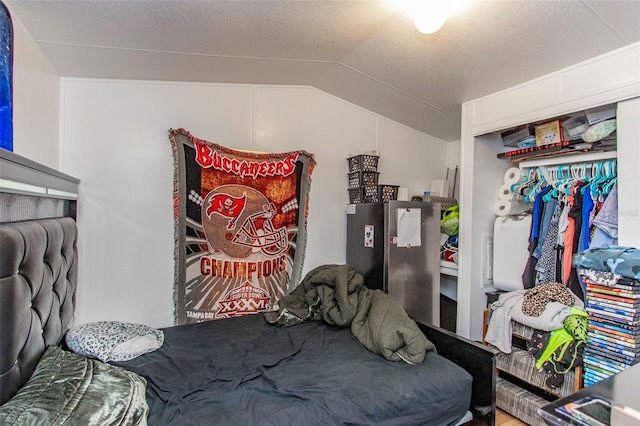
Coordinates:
[338,295]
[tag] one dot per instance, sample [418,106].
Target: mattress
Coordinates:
[245,371]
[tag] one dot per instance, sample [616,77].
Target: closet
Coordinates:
[611,79]
[566,187]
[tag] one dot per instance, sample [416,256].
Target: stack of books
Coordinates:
[613,332]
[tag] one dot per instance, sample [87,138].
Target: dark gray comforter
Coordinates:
[338,295]
[243,371]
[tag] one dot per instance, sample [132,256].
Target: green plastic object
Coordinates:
[450,221]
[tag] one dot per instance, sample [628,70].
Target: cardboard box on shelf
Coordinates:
[574,126]
[598,114]
[513,136]
[548,133]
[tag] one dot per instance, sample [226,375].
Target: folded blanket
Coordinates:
[337,295]
[509,307]
[624,261]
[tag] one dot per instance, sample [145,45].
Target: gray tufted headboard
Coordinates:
[38,264]
[38,276]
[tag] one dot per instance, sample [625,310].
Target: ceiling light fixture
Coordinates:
[428,15]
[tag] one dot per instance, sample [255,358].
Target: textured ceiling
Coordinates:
[361,51]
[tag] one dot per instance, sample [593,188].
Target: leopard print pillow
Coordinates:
[113,340]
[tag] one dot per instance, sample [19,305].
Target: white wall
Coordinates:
[115,140]
[36,98]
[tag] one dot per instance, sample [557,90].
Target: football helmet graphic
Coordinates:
[237,221]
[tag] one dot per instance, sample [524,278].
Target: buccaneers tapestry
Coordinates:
[240,227]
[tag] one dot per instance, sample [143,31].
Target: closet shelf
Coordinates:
[449,268]
[574,158]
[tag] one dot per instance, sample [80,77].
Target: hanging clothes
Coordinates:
[572,279]
[563,221]
[547,264]
[606,221]
[587,207]
[529,273]
[548,210]
[567,242]
[572,212]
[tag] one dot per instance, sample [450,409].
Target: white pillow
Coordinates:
[113,340]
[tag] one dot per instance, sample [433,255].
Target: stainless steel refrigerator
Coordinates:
[396,247]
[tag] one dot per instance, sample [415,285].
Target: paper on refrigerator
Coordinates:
[409,234]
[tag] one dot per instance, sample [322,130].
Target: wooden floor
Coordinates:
[506,419]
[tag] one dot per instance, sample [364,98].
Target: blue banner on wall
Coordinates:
[6,79]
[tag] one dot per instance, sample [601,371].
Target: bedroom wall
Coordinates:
[114,137]
[36,101]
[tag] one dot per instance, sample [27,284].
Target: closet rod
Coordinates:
[567,159]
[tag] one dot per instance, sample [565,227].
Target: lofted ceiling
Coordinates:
[361,51]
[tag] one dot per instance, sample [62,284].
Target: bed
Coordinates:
[245,371]
[233,371]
